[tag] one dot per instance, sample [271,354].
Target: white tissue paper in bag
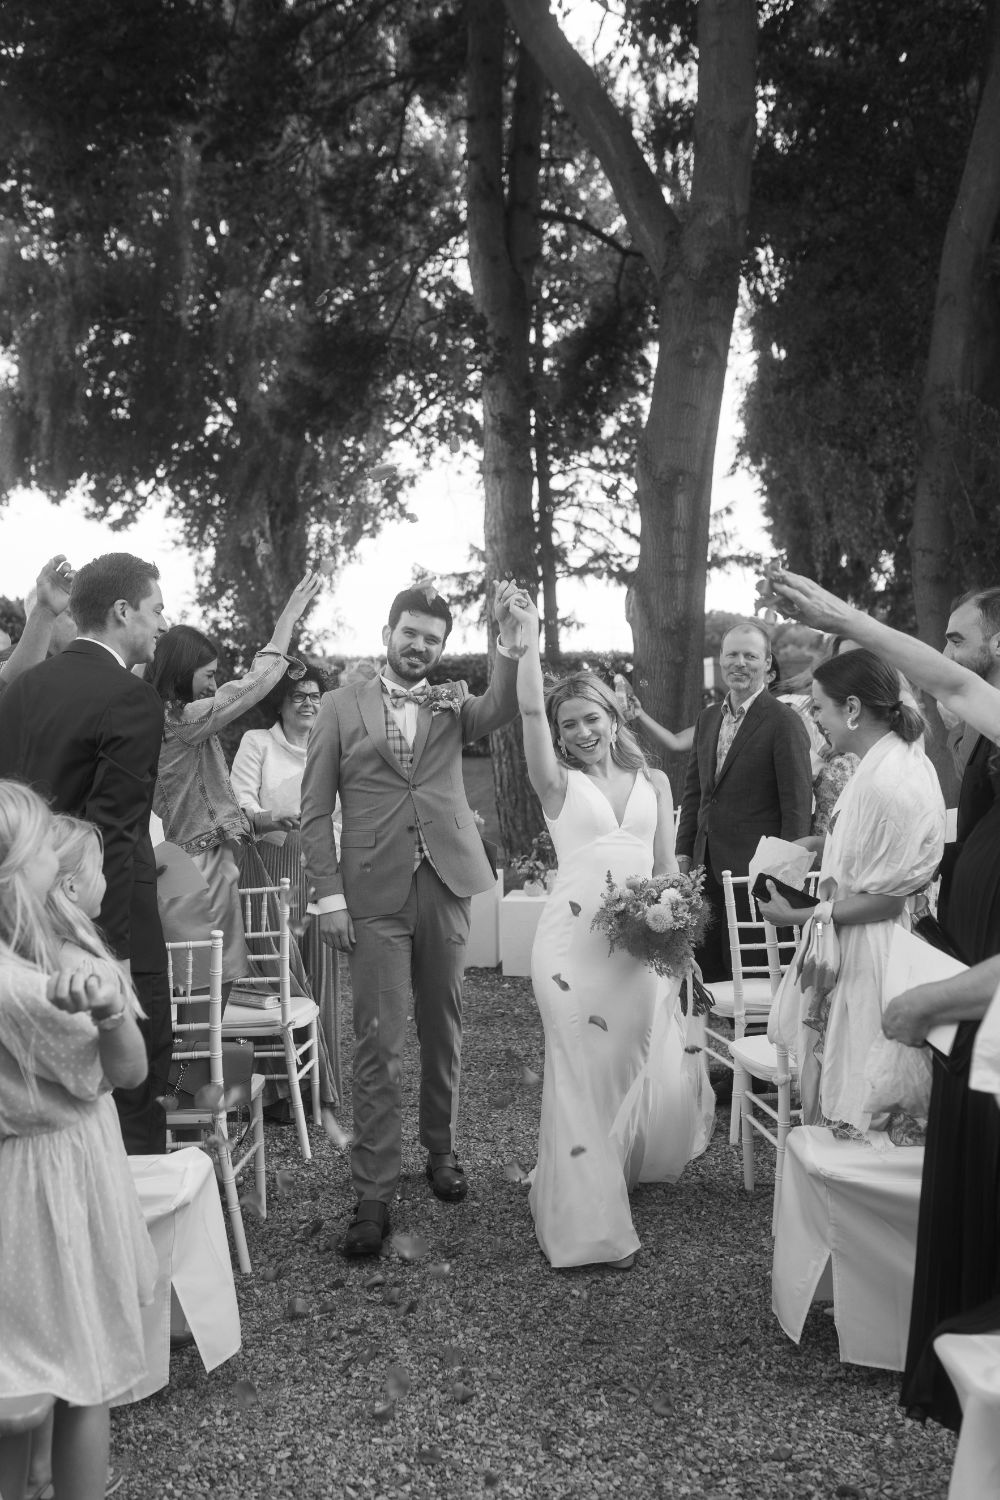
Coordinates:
[781,860]
[897,1077]
[985,1072]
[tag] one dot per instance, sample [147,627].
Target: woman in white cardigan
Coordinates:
[267,780]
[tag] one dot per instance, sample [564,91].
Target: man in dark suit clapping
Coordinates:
[748,776]
[85,732]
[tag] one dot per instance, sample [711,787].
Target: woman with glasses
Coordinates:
[267,781]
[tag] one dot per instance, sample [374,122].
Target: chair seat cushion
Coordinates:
[759,1057]
[247,1020]
[756,997]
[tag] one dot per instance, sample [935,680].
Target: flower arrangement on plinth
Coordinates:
[538,866]
[658,919]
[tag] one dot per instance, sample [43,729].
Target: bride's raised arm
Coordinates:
[545,773]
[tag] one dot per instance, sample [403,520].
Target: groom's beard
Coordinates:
[411,667]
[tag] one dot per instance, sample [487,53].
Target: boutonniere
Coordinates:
[445,698]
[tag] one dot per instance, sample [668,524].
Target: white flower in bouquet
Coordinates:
[659,919]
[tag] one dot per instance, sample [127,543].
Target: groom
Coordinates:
[397,897]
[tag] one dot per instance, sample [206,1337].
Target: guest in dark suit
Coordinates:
[86,733]
[748,776]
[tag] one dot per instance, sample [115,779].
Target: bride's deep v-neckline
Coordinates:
[619,822]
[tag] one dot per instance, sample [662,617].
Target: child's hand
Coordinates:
[75,990]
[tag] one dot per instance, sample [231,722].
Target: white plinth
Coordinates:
[519,916]
[483,951]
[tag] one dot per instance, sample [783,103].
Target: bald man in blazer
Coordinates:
[748,776]
[397,897]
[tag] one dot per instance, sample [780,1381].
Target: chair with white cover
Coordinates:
[746,998]
[268,933]
[768,1114]
[209,1113]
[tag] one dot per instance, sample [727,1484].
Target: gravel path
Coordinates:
[477,1370]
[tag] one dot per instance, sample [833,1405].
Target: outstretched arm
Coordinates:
[967,696]
[964,997]
[51,600]
[545,773]
[674,743]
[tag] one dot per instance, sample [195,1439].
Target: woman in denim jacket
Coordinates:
[194,796]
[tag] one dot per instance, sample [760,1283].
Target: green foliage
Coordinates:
[11,617]
[869,110]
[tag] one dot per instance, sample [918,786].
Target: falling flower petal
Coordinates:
[410,1246]
[578,1151]
[284,1179]
[397,1381]
[560,981]
[367,1355]
[392,1296]
[335,1131]
[597,1021]
[168,1102]
[246,1394]
[429,1453]
[410,1306]
[235,1095]
[454,443]
[252,1201]
[661,1406]
[514,1172]
[575,908]
[327,566]
[382,471]
[296,1307]
[272,1272]
[371,1282]
[529,1079]
[460,1393]
[439,1270]
[491,1479]
[383,1410]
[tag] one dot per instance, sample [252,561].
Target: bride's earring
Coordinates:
[614,734]
[562,750]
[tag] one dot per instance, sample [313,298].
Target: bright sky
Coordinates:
[449,511]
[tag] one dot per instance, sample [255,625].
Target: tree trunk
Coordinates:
[503,251]
[696,262]
[545,523]
[961,362]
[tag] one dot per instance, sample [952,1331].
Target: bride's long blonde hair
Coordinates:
[625,749]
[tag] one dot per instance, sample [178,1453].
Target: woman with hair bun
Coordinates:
[886,842]
[622,1101]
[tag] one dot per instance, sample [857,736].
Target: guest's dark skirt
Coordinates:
[321,965]
[956,1286]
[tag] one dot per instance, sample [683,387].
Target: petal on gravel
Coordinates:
[514,1172]
[246,1394]
[410,1246]
[284,1179]
[397,1381]
[530,1079]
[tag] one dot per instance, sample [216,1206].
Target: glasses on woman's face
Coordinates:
[301,699]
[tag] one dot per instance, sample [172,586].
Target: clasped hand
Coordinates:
[75,990]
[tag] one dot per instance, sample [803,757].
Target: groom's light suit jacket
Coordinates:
[382,804]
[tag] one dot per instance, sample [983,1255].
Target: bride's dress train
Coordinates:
[623,1101]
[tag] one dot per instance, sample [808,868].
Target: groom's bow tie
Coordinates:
[417,695]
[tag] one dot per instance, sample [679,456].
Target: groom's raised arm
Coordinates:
[496,707]
[320,782]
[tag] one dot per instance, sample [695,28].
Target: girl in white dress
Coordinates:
[622,1101]
[76,1262]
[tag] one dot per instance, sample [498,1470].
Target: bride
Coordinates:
[623,1101]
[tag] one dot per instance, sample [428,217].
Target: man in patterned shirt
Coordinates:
[748,776]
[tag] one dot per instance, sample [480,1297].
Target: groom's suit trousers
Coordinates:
[422,945]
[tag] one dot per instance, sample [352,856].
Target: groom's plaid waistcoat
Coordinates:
[404,754]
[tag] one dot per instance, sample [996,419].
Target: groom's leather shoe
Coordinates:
[370,1227]
[446,1177]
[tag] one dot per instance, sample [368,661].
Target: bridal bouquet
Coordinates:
[658,919]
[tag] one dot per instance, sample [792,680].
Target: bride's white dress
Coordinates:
[622,1102]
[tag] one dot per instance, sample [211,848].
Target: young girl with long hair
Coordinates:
[76,1262]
